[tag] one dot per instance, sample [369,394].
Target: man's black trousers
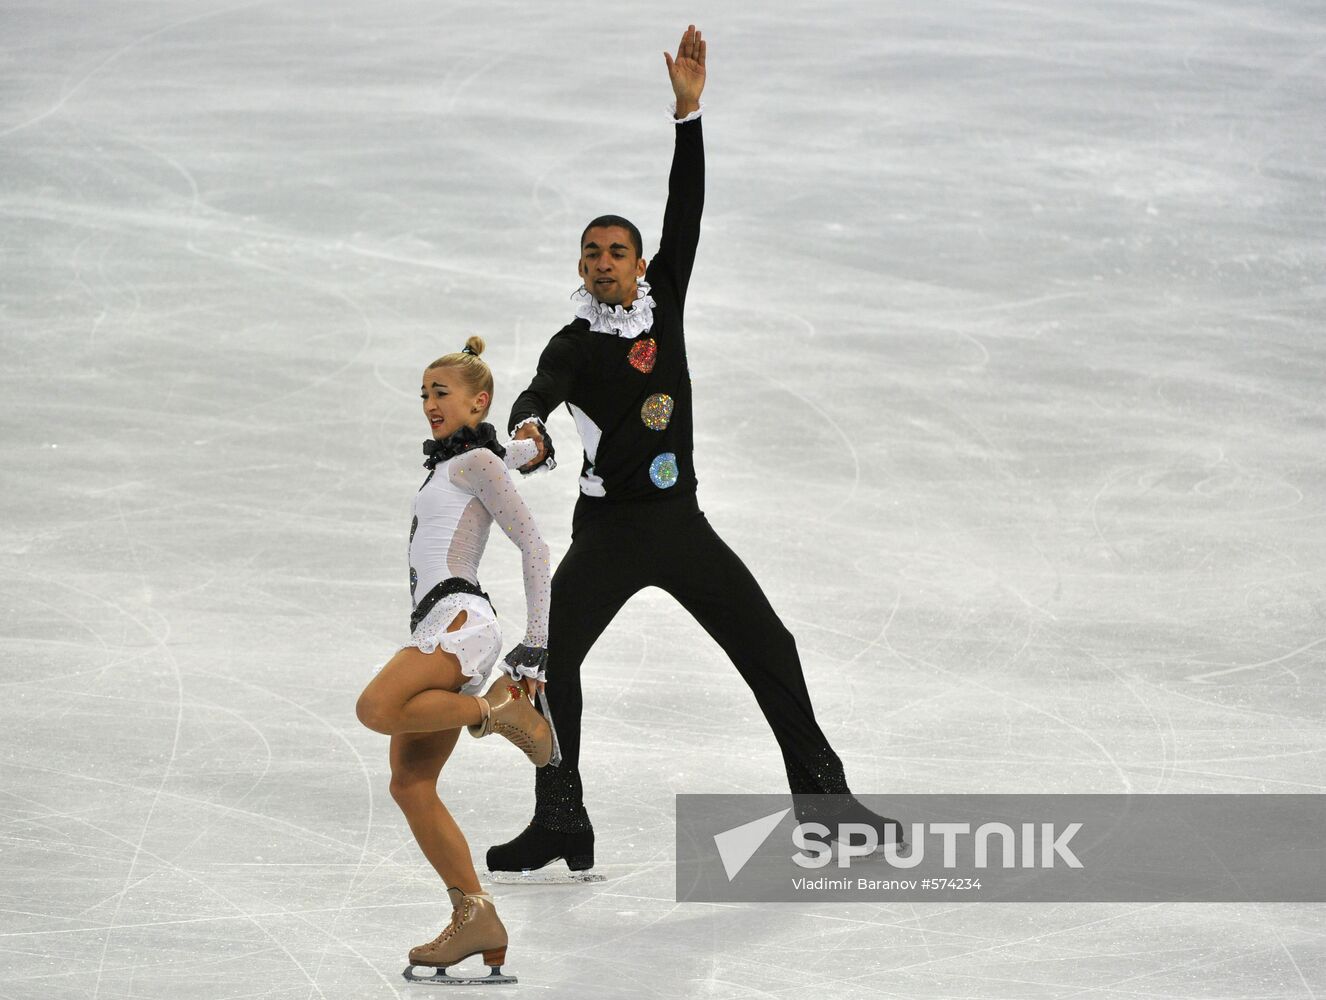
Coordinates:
[616,551]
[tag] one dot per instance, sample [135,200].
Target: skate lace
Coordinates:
[458,918]
[516,735]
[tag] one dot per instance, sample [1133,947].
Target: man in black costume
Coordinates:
[620,366]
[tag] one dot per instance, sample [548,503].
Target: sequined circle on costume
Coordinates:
[414,526]
[414,580]
[663,470]
[657,411]
[643,354]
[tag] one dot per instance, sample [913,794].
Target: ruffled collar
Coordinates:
[615,320]
[465,439]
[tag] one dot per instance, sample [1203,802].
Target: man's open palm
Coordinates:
[687,69]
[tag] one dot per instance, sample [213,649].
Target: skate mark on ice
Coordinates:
[213,708]
[301,279]
[1280,720]
[159,636]
[92,293]
[62,613]
[247,917]
[1036,939]
[184,875]
[824,414]
[1239,668]
[1094,507]
[188,800]
[1167,733]
[139,851]
[445,266]
[78,84]
[996,694]
[368,825]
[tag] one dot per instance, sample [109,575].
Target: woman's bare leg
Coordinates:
[416,692]
[415,700]
[416,762]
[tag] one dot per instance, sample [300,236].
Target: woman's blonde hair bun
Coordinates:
[473,370]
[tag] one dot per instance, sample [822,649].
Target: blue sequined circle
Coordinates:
[414,526]
[414,580]
[663,470]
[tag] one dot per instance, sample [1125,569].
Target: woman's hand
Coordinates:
[523,659]
[531,430]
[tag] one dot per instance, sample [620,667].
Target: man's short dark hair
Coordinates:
[617,220]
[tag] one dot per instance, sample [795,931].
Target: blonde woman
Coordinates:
[430,688]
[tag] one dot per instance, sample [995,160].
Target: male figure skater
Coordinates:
[620,366]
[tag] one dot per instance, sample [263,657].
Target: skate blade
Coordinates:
[495,977]
[542,876]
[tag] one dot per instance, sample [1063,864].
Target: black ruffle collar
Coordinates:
[465,439]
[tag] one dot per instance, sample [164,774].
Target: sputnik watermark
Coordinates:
[815,844]
[1007,848]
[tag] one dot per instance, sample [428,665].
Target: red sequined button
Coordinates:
[643,355]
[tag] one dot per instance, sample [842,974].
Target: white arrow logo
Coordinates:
[736,846]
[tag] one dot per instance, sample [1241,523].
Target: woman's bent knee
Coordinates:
[374,714]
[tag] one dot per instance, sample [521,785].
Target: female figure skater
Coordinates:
[429,689]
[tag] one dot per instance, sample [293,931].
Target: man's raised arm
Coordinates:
[681,218]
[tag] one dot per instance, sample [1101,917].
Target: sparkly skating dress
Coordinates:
[463,495]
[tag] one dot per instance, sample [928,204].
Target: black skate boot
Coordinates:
[837,809]
[522,860]
[820,795]
[887,830]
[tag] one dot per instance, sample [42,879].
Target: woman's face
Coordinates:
[448,405]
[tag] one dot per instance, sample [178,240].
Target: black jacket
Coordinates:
[593,371]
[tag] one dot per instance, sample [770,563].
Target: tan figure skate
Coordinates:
[507,711]
[474,929]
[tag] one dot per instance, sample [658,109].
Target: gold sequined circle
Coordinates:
[657,411]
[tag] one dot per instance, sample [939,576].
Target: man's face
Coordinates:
[609,266]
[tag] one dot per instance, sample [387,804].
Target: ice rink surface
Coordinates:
[1006,332]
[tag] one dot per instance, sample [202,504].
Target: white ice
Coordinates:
[1006,332]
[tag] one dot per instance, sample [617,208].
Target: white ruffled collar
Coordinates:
[614,320]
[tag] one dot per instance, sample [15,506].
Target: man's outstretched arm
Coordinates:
[558,366]
[681,218]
